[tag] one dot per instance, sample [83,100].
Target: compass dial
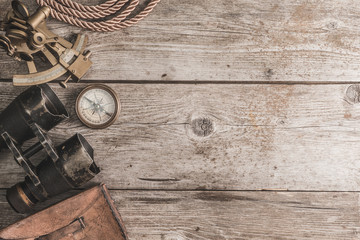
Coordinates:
[97,106]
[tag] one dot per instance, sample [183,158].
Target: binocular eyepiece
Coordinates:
[67,166]
[74,167]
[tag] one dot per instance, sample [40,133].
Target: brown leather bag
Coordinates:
[90,215]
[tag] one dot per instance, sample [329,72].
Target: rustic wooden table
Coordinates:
[240,119]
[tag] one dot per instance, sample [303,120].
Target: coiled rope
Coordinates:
[116,13]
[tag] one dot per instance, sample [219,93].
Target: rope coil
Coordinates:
[92,17]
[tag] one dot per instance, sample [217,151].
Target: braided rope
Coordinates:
[84,8]
[84,16]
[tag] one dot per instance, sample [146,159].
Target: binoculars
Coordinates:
[66,166]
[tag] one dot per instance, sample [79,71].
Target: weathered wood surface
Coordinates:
[220,215]
[228,137]
[206,40]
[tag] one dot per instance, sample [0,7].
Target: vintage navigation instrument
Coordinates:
[27,37]
[97,106]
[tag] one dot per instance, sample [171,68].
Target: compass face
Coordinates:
[97,106]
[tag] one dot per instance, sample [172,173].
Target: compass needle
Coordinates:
[89,100]
[107,104]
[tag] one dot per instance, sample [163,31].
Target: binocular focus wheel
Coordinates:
[20,199]
[19,9]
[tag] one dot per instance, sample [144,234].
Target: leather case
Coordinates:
[90,215]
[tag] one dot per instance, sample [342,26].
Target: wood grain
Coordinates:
[227,137]
[205,40]
[167,215]
[179,146]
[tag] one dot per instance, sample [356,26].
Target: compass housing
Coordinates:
[91,124]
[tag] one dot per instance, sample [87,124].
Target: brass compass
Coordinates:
[97,106]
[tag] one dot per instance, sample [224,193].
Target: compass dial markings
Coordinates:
[97,106]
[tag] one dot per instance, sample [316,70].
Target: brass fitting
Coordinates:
[40,15]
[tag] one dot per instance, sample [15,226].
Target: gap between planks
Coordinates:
[214,190]
[273,137]
[227,215]
[182,82]
[293,40]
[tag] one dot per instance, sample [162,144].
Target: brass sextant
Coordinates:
[27,36]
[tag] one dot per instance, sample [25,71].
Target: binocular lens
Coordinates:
[69,165]
[74,167]
[37,105]
[52,102]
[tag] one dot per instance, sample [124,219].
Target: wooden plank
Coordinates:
[163,215]
[229,137]
[205,40]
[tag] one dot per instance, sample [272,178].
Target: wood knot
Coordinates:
[353,93]
[332,25]
[202,127]
[269,73]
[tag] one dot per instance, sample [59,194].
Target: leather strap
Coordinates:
[66,233]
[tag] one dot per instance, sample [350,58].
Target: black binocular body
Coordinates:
[39,105]
[69,165]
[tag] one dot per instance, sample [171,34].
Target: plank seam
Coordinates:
[207,82]
[214,190]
